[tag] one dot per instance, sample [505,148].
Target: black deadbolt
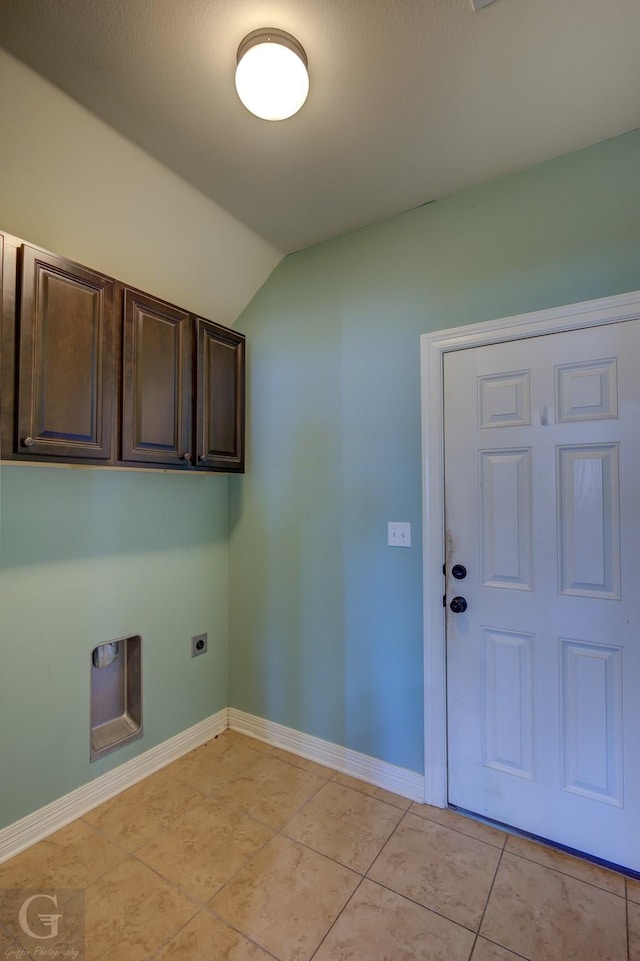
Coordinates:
[459,571]
[458,605]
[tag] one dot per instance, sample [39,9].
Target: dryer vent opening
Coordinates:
[116,694]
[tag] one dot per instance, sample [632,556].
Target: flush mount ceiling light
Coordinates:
[271,76]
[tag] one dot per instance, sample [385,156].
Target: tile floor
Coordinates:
[242,852]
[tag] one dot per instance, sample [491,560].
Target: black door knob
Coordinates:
[458,605]
[459,571]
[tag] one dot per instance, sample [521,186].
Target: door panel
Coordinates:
[156,382]
[220,397]
[505,519]
[542,507]
[589,520]
[507,705]
[592,720]
[66,343]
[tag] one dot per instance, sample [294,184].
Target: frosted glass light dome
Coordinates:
[271,76]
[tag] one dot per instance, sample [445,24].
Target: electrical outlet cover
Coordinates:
[198,645]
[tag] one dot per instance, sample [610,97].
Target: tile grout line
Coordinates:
[338,774]
[280,832]
[204,905]
[626,909]
[408,897]
[400,820]
[449,827]
[348,867]
[237,930]
[133,855]
[338,916]
[419,904]
[565,874]
[104,833]
[486,904]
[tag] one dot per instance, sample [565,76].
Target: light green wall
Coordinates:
[326,620]
[89,555]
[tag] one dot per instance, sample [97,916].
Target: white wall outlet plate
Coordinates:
[399,534]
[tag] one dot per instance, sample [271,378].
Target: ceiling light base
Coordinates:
[272,79]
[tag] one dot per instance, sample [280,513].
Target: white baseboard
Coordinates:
[46,820]
[43,822]
[397,779]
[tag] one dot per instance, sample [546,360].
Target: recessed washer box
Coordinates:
[116,695]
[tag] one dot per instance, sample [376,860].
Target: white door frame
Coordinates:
[433,347]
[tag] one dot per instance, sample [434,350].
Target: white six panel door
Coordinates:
[542,479]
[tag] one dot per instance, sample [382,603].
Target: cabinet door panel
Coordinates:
[7,347]
[66,361]
[220,398]
[156,382]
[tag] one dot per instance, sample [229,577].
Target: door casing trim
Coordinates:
[433,347]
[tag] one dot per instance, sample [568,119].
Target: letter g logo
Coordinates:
[48,920]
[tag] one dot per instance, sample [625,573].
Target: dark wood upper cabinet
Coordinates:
[7,356]
[65,359]
[95,372]
[156,382]
[219,397]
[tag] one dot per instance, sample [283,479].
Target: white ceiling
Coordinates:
[410,100]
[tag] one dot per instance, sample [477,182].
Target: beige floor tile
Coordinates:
[548,916]
[206,938]
[270,790]
[131,913]
[633,917]
[137,815]
[459,822]
[378,925]
[286,898]
[377,792]
[302,762]
[345,825]
[237,737]
[212,765]
[487,951]
[567,864]
[442,869]
[71,858]
[205,847]
[633,890]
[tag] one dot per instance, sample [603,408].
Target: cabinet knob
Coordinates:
[186,456]
[202,458]
[28,442]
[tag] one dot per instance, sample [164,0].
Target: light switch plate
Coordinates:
[399,534]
